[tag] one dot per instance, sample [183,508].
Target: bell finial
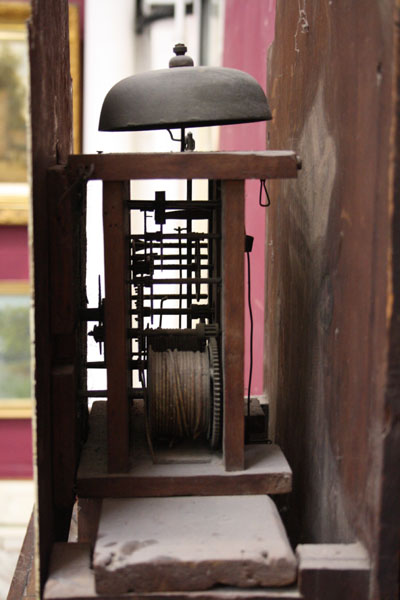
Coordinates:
[180,60]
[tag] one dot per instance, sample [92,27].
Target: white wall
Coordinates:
[112,52]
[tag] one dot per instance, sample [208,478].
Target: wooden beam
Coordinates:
[204,481]
[51,142]
[266,469]
[116,321]
[187,165]
[233,240]
[66,290]
[88,519]
[333,571]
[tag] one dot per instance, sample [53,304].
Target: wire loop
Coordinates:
[268,203]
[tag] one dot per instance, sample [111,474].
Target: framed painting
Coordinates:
[14,109]
[15,351]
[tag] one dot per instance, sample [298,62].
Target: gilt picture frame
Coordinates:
[14,109]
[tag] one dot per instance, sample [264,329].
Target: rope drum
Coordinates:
[180,394]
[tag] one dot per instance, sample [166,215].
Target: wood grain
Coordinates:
[88,519]
[51,142]
[340,570]
[66,284]
[188,165]
[116,321]
[266,470]
[332,325]
[233,238]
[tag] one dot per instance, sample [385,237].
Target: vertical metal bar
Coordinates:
[189,198]
[233,238]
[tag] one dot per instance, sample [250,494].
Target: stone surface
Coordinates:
[16,505]
[69,572]
[191,543]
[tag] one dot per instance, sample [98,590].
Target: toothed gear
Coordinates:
[215,428]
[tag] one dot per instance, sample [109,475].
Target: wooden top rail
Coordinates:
[269,164]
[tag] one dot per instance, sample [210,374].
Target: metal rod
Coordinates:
[178,267]
[135,393]
[172,204]
[148,281]
[101,364]
[134,332]
[169,245]
[204,309]
[189,198]
[155,235]
[204,257]
[170,297]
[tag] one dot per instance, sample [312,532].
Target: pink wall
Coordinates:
[15,449]
[14,262]
[249,31]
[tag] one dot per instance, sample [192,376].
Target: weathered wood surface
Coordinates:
[51,142]
[68,335]
[116,321]
[23,581]
[88,515]
[333,570]
[188,165]
[71,577]
[232,243]
[333,287]
[266,470]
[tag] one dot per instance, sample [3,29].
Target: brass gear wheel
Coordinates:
[215,424]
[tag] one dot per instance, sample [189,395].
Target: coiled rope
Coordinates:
[178,394]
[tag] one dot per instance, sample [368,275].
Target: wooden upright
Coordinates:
[116,321]
[233,237]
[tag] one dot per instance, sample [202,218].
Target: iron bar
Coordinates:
[148,281]
[134,332]
[178,267]
[172,204]
[155,235]
[135,393]
[203,309]
[101,364]
[204,257]
[170,297]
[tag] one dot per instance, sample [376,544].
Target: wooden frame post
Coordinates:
[116,321]
[233,240]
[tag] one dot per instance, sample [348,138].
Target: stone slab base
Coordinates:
[191,543]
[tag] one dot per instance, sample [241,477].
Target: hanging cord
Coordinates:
[262,185]
[251,332]
[248,249]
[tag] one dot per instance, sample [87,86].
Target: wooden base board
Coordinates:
[70,576]
[197,472]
